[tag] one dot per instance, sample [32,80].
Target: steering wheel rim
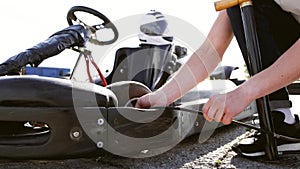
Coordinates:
[106,23]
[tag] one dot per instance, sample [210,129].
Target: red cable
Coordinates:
[90,58]
[104,83]
[88,69]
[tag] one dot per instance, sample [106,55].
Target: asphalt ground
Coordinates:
[216,152]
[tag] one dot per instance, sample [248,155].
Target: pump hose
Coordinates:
[236,122]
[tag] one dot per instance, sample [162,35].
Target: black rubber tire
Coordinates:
[37,91]
[127,90]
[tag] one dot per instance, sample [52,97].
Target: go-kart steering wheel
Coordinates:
[107,24]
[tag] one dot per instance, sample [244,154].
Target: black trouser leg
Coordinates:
[277,30]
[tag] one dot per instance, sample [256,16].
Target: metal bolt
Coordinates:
[76,134]
[99,144]
[144,151]
[100,122]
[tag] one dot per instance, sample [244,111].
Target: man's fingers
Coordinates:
[214,108]
[219,115]
[205,110]
[227,119]
[137,105]
[212,111]
[221,111]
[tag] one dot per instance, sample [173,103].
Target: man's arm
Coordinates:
[284,71]
[202,62]
[280,74]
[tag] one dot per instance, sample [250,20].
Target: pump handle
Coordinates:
[224,4]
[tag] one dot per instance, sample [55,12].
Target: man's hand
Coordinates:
[149,100]
[224,107]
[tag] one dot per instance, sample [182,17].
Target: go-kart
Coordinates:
[46,117]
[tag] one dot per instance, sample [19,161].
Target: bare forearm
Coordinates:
[283,72]
[202,62]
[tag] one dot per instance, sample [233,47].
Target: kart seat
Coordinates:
[146,64]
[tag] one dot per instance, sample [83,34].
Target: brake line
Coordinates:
[236,122]
[104,83]
[88,58]
[87,62]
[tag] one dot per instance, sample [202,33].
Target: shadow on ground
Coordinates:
[214,153]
